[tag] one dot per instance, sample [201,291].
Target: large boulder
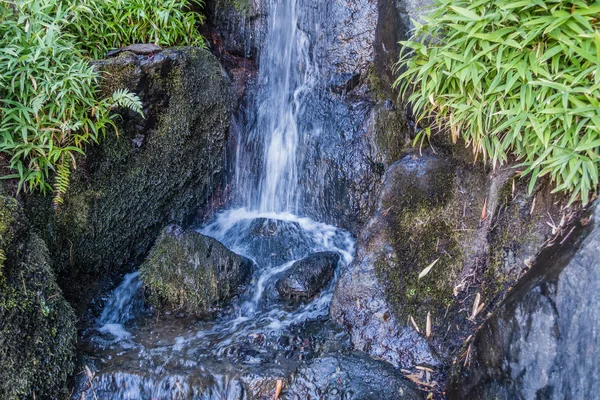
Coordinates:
[186,269]
[544,340]
[446,233]
[159,170]
[307,277]
[37,325]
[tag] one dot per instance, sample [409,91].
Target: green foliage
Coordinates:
[513,77]
[51,106]
[100,25]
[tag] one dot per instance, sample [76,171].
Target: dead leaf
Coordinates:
[484,210]
[415,379]
[428,325]
[278,387]
[428,268]
[415,324]
[475,306]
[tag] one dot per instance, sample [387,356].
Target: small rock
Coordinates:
[142,49]
[307,277]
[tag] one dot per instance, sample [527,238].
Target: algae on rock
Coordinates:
[159,170]
[188,270]
[477,228]
[37,325]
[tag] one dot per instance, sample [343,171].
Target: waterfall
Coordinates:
[178,358]
[287,77]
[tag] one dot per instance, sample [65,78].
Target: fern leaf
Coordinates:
[63,176]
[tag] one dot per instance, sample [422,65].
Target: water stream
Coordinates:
[180,357]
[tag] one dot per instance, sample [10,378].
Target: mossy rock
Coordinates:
[37,325]
[159,170]
[425,205]
[191,271]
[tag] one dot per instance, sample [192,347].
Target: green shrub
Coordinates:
[517,78]
[50,106]
[100,25]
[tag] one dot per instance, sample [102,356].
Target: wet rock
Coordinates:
[394,25]
[430,213]
[273,242]
[236,27]
[544,340]
[186,269]
[354,376]
[37,325]
[159,170]
[140,384]
[307,277]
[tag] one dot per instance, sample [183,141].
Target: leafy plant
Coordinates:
[50,104]
[100,25]
[49,109]
[518,77]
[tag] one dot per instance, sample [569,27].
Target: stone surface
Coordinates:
[353,376]
[307,277]
[430,211]
[236,27]
[191,271]
[544,340]
[138,48]
[37,325]
[159,170]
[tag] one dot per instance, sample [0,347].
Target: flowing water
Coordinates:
[179,357]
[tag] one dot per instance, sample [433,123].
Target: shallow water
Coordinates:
[189,358]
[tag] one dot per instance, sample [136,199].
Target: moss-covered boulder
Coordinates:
[446,233]
[37,325]
[191,271]
[159,170]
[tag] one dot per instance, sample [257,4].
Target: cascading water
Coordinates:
[268,158]
[182,358]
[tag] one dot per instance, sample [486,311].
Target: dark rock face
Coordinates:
[354,376]
[394,25]
[159,170]
[186,269]
[431,211]
[544,340]
[307,277]
[37,325]
[236,27]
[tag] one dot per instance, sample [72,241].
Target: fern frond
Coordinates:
[63,176]
[126,99]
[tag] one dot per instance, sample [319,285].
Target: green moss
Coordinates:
[187,270]
[241,6]
[37,333]
[420,237]
[376,85]
[8,210]
[159,170]
[432,208]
